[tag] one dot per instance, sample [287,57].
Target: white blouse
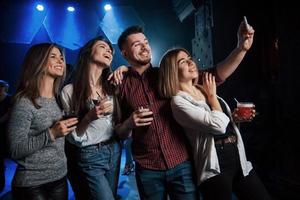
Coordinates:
[201,124]
[97,131]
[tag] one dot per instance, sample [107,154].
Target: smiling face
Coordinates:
[102,53]
[137,49]
[187,69]
[55,65]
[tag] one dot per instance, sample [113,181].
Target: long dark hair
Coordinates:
[33,69]
[81,84]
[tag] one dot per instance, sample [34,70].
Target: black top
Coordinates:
[229,128]
[95,101]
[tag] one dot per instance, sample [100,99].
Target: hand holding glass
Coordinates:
[143,116]
[106,105]
[244,111]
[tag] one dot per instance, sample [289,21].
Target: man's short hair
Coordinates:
[129,31]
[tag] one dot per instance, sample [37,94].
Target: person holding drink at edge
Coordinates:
[219,155]
[93,150]
[35,129]
[160,148]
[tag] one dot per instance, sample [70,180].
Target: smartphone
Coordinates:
[246,22]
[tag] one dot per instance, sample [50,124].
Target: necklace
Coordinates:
[97,92]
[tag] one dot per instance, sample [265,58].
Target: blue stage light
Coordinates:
[40,7]
[107,7]
[71,9]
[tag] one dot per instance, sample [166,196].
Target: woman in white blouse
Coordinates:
[218,150]
[92,149]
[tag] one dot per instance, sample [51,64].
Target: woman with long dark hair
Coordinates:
[93,151]
[35,129]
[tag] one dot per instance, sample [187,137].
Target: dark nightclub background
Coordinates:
[268,76]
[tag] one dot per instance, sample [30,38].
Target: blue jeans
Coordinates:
[127,147]
[177,183]
[100,166]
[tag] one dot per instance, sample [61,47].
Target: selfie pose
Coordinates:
[161,151]
[219,155]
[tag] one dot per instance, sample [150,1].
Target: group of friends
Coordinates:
[185,141]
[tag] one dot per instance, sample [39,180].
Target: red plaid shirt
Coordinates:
[162,145]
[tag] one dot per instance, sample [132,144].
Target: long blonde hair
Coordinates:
[168,81]
[33,69]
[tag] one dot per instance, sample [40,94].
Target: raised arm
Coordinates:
[245,39]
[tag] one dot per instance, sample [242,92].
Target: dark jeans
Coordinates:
[177,183]
[127,146]
[56,190]
[231,179]
[94,171]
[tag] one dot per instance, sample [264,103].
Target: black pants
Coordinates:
[231,179]
[75,176]
[57,190]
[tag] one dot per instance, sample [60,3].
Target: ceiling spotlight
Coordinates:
[107,7]
[40,7]
[71,9]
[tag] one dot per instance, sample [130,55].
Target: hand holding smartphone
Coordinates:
[246,22]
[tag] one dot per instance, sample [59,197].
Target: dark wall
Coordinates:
[268,77]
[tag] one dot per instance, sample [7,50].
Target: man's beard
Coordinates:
[144,62]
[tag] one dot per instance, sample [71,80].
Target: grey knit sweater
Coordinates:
[39,159]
